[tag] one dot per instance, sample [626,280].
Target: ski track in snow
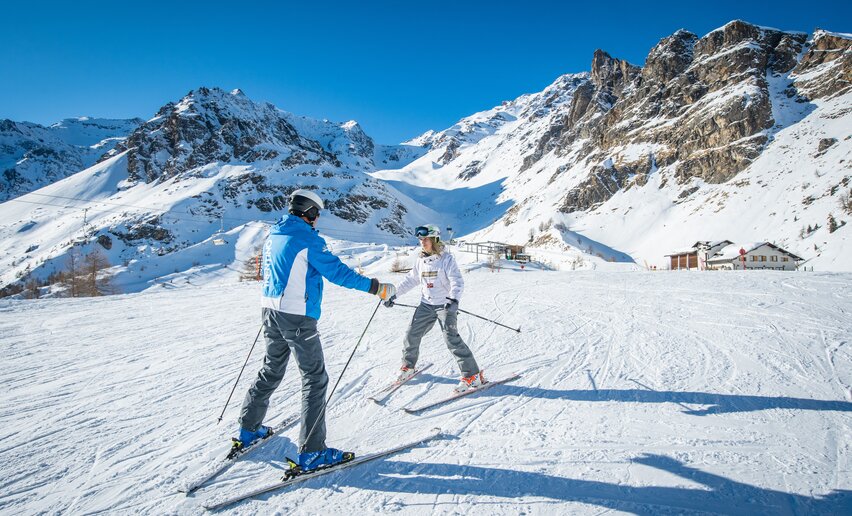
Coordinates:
[667,392]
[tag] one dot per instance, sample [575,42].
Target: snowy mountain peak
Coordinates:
[735,29]
[607,70]
[33,156]
[89,131]
[210,125]
[686,137]
[820,33]
[741,134]
[210,164]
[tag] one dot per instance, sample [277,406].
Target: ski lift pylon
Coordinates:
[218,237]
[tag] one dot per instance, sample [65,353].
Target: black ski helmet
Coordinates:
[305,203]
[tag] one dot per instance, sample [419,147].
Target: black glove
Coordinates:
[452,305]
[389,302]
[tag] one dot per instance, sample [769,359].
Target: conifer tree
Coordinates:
[832,224]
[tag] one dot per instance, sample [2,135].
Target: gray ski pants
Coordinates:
[424,319]
[285,333]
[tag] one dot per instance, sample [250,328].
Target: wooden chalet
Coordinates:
[696,256]
[757,255]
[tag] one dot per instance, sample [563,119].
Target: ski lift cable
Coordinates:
[340,233]
[172,216]
[185,217]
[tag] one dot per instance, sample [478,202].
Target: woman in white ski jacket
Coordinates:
[441,287]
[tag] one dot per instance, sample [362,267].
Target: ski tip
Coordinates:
[410,410]
[187,487]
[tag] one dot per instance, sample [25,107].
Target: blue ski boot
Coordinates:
[247,437]
[323,458]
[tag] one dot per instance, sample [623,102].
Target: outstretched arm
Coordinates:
[335,270]
[339,273]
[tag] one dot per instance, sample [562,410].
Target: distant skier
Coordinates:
[295,259]
[441,287]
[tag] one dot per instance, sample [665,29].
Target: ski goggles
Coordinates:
[421,231]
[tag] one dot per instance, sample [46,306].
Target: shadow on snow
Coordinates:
[712,403]
[717,494]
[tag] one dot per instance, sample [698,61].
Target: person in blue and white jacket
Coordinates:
[295,261]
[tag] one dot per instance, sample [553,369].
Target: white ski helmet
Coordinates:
[429,230]
[305,203]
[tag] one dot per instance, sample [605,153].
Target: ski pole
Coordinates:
[239,375]
[325,404]
[468,313]
[489,320]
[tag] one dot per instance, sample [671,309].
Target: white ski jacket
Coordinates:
[439,278]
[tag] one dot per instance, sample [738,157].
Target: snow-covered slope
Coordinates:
[641,393]
[32,156]
[743,134]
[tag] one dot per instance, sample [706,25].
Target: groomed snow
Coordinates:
[653,393]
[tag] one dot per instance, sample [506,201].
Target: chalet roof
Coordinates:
[729,252]
[709,244]
[681,252]
[732,251]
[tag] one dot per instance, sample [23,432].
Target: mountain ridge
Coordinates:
[742,134]
[33,155]
[697,116]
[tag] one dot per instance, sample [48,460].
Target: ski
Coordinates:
[385,393]
[487,385]
[287,482]
[213,470]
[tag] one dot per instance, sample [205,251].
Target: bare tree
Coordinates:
[845,202]
[94,281]
[832,223]
[71,275]
[32,289]
[251,267]
[494,262]
[397,265]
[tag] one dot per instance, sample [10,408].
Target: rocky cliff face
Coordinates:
[704,105]
[33,156]
[826,68]
[212,128]
[213,163]
[702,120]
[701,108]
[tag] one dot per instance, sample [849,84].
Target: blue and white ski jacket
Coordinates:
[295,259]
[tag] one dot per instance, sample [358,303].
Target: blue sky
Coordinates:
[399,68]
